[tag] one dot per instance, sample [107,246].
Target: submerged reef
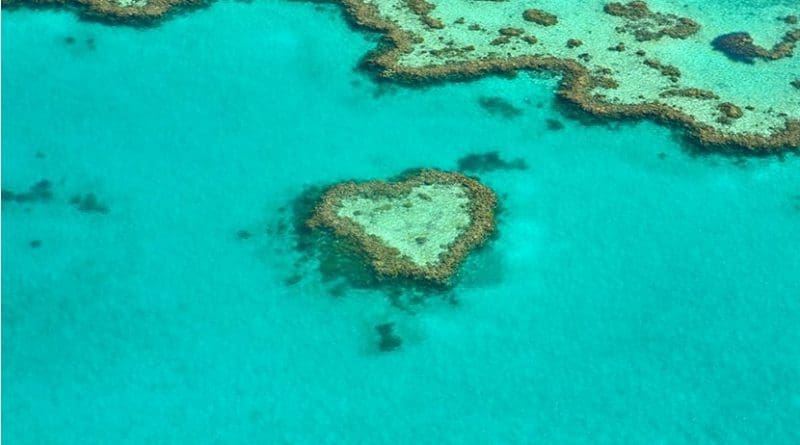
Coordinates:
[540,17]
[388,340]
[340,263]
[651,71]
[740,47]
[41,191]
[489,162]
[646,25]
[88,203]
[497,106]
[420,227]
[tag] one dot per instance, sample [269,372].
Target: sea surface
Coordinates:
[637,292]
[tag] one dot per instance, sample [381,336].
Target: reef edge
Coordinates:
[386,260]
[575,86]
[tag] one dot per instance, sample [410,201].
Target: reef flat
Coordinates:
[729,79]
[635,59]
[123,11]
[420,227]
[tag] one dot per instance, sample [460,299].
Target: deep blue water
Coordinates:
[636,293]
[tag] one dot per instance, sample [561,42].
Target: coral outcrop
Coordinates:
[420,227]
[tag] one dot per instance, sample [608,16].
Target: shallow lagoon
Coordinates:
[636,293]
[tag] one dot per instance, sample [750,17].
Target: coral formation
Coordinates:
[422,9]
[38,192]
[619,47]
[540,17]
[646,25]
[127,11]
[730,110]
[435,40]
[488,162]
[554,125]
[88,203]
[404,60]
[695,93]
[669,71]
[497,106]
[574,43]
[420,227]
[530,39]
[512,32]
[740,47]
[387,339]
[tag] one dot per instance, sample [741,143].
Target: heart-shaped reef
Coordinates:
[420,227]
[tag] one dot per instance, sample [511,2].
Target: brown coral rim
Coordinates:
[387,261]
[575,86]
[110,11]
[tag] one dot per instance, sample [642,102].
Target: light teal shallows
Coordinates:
[636,294]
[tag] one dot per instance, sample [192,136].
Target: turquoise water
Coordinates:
[637,293]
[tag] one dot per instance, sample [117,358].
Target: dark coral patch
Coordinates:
[387,339]
[38,192]
[497,106]
[487,162]
[740,47]
[554,124]
[737,46]
[539,17]
[646,25]
[88,203]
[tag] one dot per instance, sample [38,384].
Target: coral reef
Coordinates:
[497,106]
[646,25]
[387,339]
[574,43]
[340,263]
[401,59]
[740,47]
[429,41]
[488,162]
[38,192]
[420,227]
[695,93]
[730,110]
[636,10]
[669,71]
[422,9]
[540,17]
[554,125]
[124,11]
[88,203]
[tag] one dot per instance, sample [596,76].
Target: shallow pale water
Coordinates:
[636,293]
